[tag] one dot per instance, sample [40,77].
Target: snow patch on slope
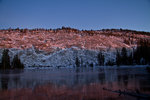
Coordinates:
[62,58]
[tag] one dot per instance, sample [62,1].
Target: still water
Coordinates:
[90,80]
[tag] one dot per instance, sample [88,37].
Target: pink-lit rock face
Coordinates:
[51,40]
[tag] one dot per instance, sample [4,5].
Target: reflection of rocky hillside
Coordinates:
[111,77]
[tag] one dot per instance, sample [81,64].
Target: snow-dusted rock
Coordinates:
[62,58]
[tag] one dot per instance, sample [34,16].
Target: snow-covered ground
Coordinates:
[62,58]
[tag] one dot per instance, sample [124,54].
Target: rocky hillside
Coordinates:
[67,46]
[51,40]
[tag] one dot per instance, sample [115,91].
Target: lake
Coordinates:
[74,83]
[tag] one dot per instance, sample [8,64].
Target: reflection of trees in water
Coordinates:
[78,76]
[110,76]
[115,78]
[119,80]
[123,79]
[84,76]
[5,78]
[4,82]
[16,80]
[144,85]
[101,78]
[76,81]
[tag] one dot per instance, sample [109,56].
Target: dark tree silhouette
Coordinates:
[124,56]
[101,59]
[77,62]
[142,53]
[110,63]
[16,63]
[91,65]
[118,58]
[130,59]
[5,60]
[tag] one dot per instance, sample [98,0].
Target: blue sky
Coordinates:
[80,14]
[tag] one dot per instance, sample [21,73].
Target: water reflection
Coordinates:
[4,82]
[83,82]
[9,77]
[4,79]
[101,78]
[113,78]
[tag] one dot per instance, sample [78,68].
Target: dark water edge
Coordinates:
[80,83]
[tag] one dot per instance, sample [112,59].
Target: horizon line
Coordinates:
[65,27]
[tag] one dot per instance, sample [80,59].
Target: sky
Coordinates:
[80,14]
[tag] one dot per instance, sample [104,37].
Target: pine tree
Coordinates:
[142,52]
[101,58]
[124,56]
[77,62]
[130,59]
[16,63]
[5,60]
[118,58]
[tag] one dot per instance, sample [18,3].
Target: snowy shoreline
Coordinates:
[95,67]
